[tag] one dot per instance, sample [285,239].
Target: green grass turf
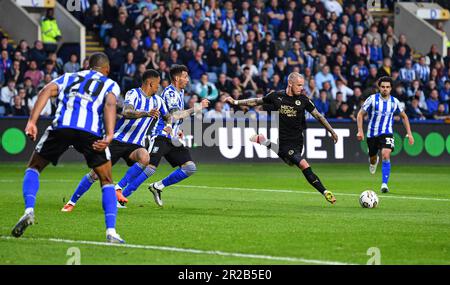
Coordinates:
[298,224]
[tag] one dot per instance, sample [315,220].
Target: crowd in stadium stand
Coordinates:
[243,49]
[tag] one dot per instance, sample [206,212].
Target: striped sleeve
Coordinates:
[171,100]
[114,88]
[398,106]
[367,106]
[61,81]
[131,98]
[162,106]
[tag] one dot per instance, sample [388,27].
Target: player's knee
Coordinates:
[143,157]
[189,168]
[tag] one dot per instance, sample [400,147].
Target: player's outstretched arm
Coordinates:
[407,125]
[319,117]
[129,112]
[49,90]
[359,122]
[246,102]
[182,114]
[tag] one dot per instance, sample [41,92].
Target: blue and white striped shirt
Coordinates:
[422,72]
[381,114]
[174,100]
[133,131]
[80,100]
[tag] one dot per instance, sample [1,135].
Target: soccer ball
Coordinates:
[368,199]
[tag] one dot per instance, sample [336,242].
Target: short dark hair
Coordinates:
[385,79]
[176,70]
[150,73]
[98,59]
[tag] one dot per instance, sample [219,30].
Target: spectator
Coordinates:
[51,34]
[376,52]
[229,24]
[386,67]
[248,83]
[217,113]
[344,112]
[444,94]
[5,45]
[441,113]
[128,71]
[224,85]
[38,54]
[335,105]
[18,109]
[322,104]
[215,58]
[121,30]
[197,67]
[289,24]
[402,43]
[433,102]
[433,56]
[343,89]
[5,63]
[205,89]
[72,65]
[34,73]
[414,112]
[323,76]
[422,70]
[407,73]
[275,14]
[15,73]
[187,52]
[7,94]
[50,69]
[116,57]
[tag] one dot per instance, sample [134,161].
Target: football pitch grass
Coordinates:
[237,214]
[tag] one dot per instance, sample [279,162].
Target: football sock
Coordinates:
[83,186]
[135,183]
[109,203]
[30,187]
[131,174]
[386,170]
[178,175]
[313,180]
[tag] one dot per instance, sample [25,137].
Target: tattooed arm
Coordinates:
[130,113]
[246,102]
[181,114]
[319,117]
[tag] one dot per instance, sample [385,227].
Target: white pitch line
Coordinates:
[304,192]
[253,190]
[185,250]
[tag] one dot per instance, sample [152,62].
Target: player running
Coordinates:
[291,104]
[381,108]
[166,144]
[140,113]
[85,118]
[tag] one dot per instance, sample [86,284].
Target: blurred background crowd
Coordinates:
[242,49]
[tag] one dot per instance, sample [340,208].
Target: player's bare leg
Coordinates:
[30,188]
[109,201]
[385,168]
[142,158]
[373,163]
